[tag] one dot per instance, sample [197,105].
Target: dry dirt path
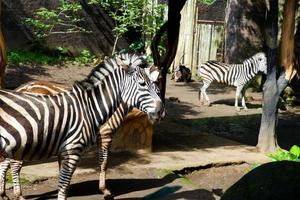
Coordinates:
[189,161]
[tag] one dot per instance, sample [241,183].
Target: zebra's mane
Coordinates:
[126,61]
[248,60]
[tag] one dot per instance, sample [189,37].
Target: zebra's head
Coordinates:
[261,62]
[139,88]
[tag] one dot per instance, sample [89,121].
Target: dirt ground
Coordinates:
[188,127]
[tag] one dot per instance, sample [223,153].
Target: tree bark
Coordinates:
[3,58]
[243,24]
[172,28]
[287,39]
[267,139]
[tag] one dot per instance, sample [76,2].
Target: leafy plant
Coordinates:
[85,57]
[62,20]
[293,154]
[207,2]
[62,55]
[27,57]
[140,15]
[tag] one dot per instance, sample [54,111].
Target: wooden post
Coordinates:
[3,58]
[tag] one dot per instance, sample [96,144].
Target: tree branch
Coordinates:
[154,44]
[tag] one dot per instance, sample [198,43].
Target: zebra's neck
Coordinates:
[102,99]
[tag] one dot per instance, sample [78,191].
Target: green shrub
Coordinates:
[292,155]
[27,57]
[57,56]
[84,57]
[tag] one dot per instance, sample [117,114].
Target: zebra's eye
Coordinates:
[143,84]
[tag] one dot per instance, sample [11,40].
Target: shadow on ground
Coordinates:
[164,191]
[214,88]
[20,74]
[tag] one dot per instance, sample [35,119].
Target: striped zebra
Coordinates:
[104,139]
[35,127]
[237,75]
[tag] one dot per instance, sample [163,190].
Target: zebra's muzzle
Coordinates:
[158,113]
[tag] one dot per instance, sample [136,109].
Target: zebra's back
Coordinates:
[215,71]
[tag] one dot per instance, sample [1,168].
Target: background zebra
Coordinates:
[38,127]
[237,75]
[105,134]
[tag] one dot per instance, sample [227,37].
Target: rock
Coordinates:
[135,135]
[271,181]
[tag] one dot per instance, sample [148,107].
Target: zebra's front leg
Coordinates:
[4,165]
[103,155]
[200,96]
[203,93]
[237,95]
[67,168]
[16,166]
[243,99]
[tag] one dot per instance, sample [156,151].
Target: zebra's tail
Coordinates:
[199,94]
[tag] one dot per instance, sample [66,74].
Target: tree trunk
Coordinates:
[267,140]
[3,58]
[188,24]
[243,24]
[287,39]
[172,27]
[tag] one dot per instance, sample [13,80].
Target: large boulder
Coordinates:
[271,181]
[135,134]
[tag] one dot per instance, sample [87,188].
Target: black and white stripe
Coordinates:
[38,127]
[237,75]
[105,135]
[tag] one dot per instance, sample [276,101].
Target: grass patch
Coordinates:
[27,57]
[58,56]
[10,181]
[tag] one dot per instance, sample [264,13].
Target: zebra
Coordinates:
[237,75]
[105,135]
[67,123]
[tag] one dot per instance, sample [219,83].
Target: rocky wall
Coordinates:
[17,35]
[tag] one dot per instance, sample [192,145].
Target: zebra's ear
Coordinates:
[153,73]
[122,62]
[139,61]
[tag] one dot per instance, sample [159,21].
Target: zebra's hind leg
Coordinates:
[237,96]
[4,166]
[67,168]
[16,166]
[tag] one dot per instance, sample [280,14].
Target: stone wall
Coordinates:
[17,35]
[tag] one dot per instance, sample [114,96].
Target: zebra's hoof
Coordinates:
[207,104]
[109,197]
[18,198]
[237,108]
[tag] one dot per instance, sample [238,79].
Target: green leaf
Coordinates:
[295,150]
